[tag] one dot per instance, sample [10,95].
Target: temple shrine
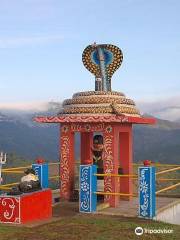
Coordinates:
[103,111]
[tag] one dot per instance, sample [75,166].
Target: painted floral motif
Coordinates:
[8,214]
[84,175]
[108,162]
[9,209]
[84,186]
[85,202]
[76,118]
[108,129]
[76,127]
[143,188]
[65,152]
[88,127]
[108,153]
[85,189]
[65,128]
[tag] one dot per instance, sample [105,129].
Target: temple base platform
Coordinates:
[26,208]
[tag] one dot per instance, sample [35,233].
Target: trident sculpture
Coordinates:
[3,157]
[102,60]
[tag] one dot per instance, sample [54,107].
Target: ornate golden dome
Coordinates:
[99,102]
[102,60]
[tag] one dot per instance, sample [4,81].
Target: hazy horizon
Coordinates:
[165,108]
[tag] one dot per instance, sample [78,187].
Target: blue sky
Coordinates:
[41,42]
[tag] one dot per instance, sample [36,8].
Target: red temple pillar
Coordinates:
[86,145]
[125,152]
[66,162]
[111,184]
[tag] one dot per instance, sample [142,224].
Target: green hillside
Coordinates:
[90,227]
[159,144]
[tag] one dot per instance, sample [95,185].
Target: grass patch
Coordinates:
[89,227]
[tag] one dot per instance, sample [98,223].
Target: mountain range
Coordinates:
[26,139]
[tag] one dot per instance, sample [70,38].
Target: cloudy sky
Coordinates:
[41,42]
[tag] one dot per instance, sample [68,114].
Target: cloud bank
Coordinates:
[168,109]
[25,106]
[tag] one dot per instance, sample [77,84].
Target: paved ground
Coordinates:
[88,227]
[126,209]
[130,208]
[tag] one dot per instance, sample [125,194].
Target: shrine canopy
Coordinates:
[108,118]
[101,105]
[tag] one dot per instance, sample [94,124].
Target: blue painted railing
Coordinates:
[88,185]
[147,192]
